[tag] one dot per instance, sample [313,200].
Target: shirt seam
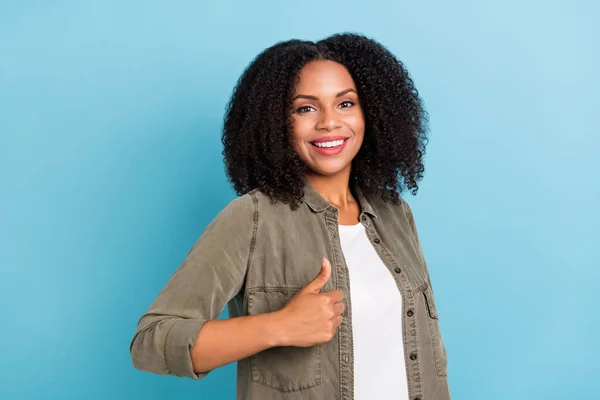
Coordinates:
[255,217]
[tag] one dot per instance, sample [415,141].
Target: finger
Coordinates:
[339,308]
[321,279]
[338,320]
[335,296]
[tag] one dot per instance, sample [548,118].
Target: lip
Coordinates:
[330,151]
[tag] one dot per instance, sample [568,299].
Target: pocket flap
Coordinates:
[265,301]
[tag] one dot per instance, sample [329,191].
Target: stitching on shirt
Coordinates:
[342,336]
[404,280]
[284,289]
[257,363]
[413,227]
[406,304]
[412,325]
[255,217]
[435,334]
[422,288]
[284,390]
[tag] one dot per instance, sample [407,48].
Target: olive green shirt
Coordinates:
[253,257]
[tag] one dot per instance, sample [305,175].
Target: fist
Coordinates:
[312,317]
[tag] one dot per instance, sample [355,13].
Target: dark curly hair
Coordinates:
[257,131]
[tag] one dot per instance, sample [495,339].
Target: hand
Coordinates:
[312,317]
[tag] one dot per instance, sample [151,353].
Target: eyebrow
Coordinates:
[307,96]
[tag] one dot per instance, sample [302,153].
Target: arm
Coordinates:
[210,276]
[221,342]
[309,318]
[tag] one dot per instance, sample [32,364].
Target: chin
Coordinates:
[324,171]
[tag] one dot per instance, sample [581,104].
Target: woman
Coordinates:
[318,260]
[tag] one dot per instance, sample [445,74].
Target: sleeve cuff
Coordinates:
[179,343]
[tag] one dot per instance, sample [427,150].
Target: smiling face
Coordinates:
[328,127]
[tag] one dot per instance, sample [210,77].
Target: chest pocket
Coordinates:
[439,350]
[284,368]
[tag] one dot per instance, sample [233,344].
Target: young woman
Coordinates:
[318,259]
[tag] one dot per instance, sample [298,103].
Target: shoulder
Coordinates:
[398,211]
[240,207]
[238,216]
[383,199]
[232,228]
[252,206]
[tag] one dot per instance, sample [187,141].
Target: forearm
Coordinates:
[221,342]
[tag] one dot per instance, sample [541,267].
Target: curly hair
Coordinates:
[257,130]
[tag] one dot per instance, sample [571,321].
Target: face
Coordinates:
[328,127]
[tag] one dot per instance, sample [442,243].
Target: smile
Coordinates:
[334,143]
[330,148]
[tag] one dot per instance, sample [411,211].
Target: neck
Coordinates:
[335,189]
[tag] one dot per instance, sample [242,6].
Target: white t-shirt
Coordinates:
[379,367]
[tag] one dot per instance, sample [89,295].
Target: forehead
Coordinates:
[323,77]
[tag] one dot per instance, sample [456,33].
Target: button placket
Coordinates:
[410,343]
[345,331]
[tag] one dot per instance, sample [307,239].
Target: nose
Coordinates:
[328,121]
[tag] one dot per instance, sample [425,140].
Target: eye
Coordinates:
[347,102]
[302,109]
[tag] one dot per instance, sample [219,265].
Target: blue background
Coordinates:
[110,167]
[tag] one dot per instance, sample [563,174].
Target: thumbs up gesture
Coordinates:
[312,317]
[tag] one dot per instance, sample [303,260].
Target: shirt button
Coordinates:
[398,270]
[413,356]
[377,240]
[410,313]
[364,218]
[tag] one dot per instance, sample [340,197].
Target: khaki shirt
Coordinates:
[253,257]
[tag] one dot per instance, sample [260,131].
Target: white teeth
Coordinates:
[330,144]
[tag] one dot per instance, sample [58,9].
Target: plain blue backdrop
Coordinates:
[110,167]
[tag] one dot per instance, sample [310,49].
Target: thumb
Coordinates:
[321,279]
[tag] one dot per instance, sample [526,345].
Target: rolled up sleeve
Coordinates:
[212,273]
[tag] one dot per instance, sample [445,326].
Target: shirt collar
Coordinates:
[317,203]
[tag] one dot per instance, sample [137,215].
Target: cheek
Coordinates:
[357,122]
[297,143]
[300,132]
